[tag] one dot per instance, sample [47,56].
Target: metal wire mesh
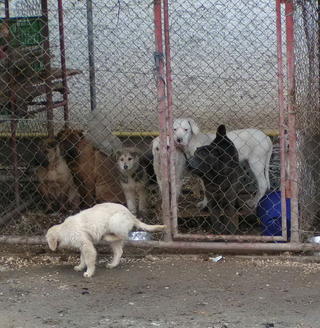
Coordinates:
[307,101]
[65,137]
[224,69]
[47,177]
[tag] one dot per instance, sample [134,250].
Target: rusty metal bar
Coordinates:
[239,238]
[160,80]
[14,153]
[282,119]
[47,68]
[54,105]
[234,248]
[39,103]
[293,175]
[63,64]
[169,88]
[13,118]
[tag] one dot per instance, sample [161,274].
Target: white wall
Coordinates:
[224,61]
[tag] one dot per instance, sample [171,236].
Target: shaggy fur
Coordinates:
[95,174]
[253,145]
[218,166]
[180,164]
[55,179]
[133,179]
[108,221]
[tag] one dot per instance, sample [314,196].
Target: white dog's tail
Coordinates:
[147,227]
[267,163]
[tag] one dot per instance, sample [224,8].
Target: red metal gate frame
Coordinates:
[169,206]
[288,159]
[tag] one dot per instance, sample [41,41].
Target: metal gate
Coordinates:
[240,64]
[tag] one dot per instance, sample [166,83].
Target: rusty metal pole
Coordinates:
[289,11]
[282,119]
[174,208]
[13,109]
[160,80]
[47,68]
[63,64]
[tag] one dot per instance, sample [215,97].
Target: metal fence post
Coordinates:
[63,63]
[174,209]
[162,116]
[289,10]
[92,75]
[282,119]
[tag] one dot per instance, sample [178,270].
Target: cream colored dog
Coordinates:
[108,221]
[179,164]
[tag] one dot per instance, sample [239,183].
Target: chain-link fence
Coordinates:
[307,101]
[85,83]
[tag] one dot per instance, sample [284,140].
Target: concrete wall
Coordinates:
[223,60]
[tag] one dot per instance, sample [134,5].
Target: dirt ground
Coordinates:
[40,289]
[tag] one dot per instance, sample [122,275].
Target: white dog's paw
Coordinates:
[203,204]
[88,274]
[78,268]
[111,265]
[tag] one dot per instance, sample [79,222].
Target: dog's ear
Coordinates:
[52,241]
[117,153]
[194,126]
[221,131]
[136,153]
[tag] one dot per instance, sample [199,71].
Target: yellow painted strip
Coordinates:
[24,134]
[269,132]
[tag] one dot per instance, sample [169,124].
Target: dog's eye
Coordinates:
[129,159]
[174,129]
[121,159]
[186,130]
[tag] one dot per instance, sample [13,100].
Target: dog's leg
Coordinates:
[131,201]
[204,203]
[142,199]
[258,168]
[89,254]
[74,198]
[117,248]
[82,264]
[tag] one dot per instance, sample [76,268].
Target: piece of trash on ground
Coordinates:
[216,259]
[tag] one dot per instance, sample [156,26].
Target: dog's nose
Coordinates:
[125,166]
[179,140]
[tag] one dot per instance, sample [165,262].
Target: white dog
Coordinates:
[253,145]
[109,221]
[180,164]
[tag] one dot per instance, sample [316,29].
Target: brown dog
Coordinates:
[55,178]
[95,174]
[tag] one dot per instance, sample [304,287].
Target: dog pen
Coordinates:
[295,102]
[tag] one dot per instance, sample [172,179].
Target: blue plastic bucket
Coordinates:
[269,213]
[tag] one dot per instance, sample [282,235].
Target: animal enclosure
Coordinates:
[115,100]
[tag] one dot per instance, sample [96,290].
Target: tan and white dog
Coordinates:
[56,183]
[252,145]
[107,221]
[133,179]
[180,164]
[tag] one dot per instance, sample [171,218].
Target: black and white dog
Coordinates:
[253,145]
[217,164]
